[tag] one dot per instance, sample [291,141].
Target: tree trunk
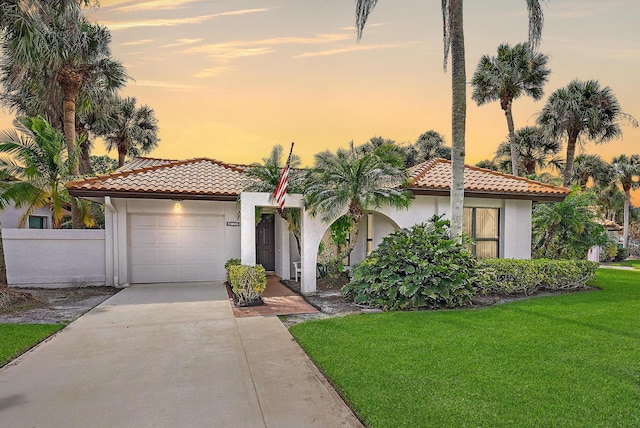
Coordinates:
[512,138]
[69,107]
[458,118]
[70,82]
[76,215]
[571,153]
[3,265]
[121,158]
[85,153]
[627,203]
[530,166]
[353,238]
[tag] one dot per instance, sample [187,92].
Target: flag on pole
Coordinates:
[281,190]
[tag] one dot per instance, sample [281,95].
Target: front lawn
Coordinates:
[17,338]
[564,361]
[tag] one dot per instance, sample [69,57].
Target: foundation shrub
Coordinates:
[228,264]
[509,276]
[621,254]
[417,267]
[247,283]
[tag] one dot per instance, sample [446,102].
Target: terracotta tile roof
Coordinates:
[143,162]
[435,176]
[197,178]
[204,178]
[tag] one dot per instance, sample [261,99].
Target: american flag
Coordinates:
[281,190]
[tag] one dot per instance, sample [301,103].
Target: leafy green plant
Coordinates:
[228,264]
[566,229]
[247,283]
[509,276]
[621,254]
[417,267]
[609,251]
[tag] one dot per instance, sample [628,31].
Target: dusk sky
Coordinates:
[229,79]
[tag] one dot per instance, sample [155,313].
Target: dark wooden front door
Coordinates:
[265,247]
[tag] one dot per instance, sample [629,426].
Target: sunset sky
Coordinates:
[229,79]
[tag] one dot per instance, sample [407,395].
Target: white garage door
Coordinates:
[175,248]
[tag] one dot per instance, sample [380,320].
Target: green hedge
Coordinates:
[509,276]
[247,282]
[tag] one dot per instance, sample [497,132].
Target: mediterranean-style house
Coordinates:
[181,220]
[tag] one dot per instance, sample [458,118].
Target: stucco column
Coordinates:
[248,229]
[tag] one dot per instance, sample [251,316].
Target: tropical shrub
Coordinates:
[566,229]
[228,264]
[247,283]
[621,255]
[509,276]
[417,267]
[609,251]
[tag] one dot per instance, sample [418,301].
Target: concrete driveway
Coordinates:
[169,355]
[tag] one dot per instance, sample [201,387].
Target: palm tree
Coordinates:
[514,72]
[35,161]
[54,42]
[454,42]
[267,177]
[610,200]
[582,110]
[587,167]
[50,46]
[430,145]
[533,151]
[566,229]
[626,169]
[133,130]
[355,180]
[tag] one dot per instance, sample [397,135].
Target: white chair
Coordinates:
[297,269]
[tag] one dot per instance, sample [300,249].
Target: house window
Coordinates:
[369,233]
[37,222]
[483,226]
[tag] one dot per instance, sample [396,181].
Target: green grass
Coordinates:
[570,360]
[630,263]
[18,338]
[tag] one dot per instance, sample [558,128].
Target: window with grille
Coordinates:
[483,226]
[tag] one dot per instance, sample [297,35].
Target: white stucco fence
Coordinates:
[54,258]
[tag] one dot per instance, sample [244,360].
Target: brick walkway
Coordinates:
[278,299]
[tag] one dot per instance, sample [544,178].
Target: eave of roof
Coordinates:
[200,178]
[433,177]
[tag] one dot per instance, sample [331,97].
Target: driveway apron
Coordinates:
[169,355]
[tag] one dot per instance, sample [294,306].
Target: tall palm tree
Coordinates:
[133,130]
[51,46]
[54,42]
[587,167]
[355,180]
[513,72]
[267,175]
[533,150]
[454,42]
[582,110]
[627,172]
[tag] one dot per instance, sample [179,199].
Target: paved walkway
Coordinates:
[169,355]
[278,300]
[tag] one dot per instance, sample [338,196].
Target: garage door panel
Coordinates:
[166,248]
